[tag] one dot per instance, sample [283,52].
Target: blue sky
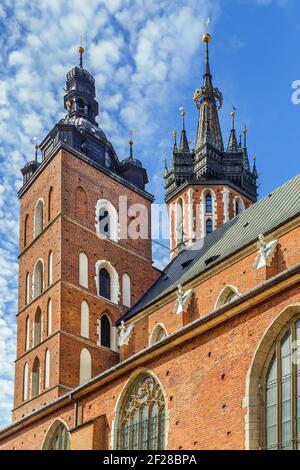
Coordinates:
[147,58]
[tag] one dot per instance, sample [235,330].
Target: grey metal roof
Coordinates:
[263,217]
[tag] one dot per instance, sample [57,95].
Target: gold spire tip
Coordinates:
[174,133]
[206,38]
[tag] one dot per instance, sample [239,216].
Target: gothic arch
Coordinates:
[179,221]
[38,278]
[84,319]
[26,230]
[133,381]
[114,279]
[57,436]
[50,204]
[50,268]
[238,205]
[205,215]
[226,295]
[253,401]
[85,366]
[126,290]
[106,209]
[37,327]
[83,268]
[36,378]
[81,204]
[39,217]
[158,334]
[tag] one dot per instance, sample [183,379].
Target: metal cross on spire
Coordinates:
[81,52]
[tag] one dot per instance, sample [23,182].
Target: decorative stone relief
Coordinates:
[124,334]
[266,252]
[183,300]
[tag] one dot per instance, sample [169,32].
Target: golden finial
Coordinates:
[182,112]
[81,52]
[131,142]
[174,133]
[206,36]
[233,116]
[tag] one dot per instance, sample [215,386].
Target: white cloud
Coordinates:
[138,50]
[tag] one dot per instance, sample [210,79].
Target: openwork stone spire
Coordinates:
[233,144]
[184,145]
[208,100]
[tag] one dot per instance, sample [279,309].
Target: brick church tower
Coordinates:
[208,186]
[77,276]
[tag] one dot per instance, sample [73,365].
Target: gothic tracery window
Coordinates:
[104,284]
[209,226]
[141,424]
[282,393]
[58,437]
[105,331]
[208,204]
[179,222]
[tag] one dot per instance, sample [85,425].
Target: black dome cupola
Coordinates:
[80,100]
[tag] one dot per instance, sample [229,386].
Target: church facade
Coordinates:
[115,354]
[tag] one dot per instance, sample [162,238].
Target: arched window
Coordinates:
[159,333]
[107,219]
[26,230]
[84,319]
[38,279]
[50,268]
[37,327]
[58,437]
[49,317]
[104,284]
[208,204]
[51,204]
[126,290]
[107,281]
[35,378]
[105,331]
[27,293]
[179,222]
[27,334]
[85,372]
[83,270]
[47,368]
[142,416]
[25,382]
[81,204]
[239,206]
[228,294]
[282,394]
[39,218]
[209,226]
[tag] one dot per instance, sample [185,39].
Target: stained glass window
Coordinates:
[282,394]
[142,417]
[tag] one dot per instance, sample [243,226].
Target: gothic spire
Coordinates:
[184,145]
[232,144]
[245,150]
[210,98]
[81,52]
[254,171]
